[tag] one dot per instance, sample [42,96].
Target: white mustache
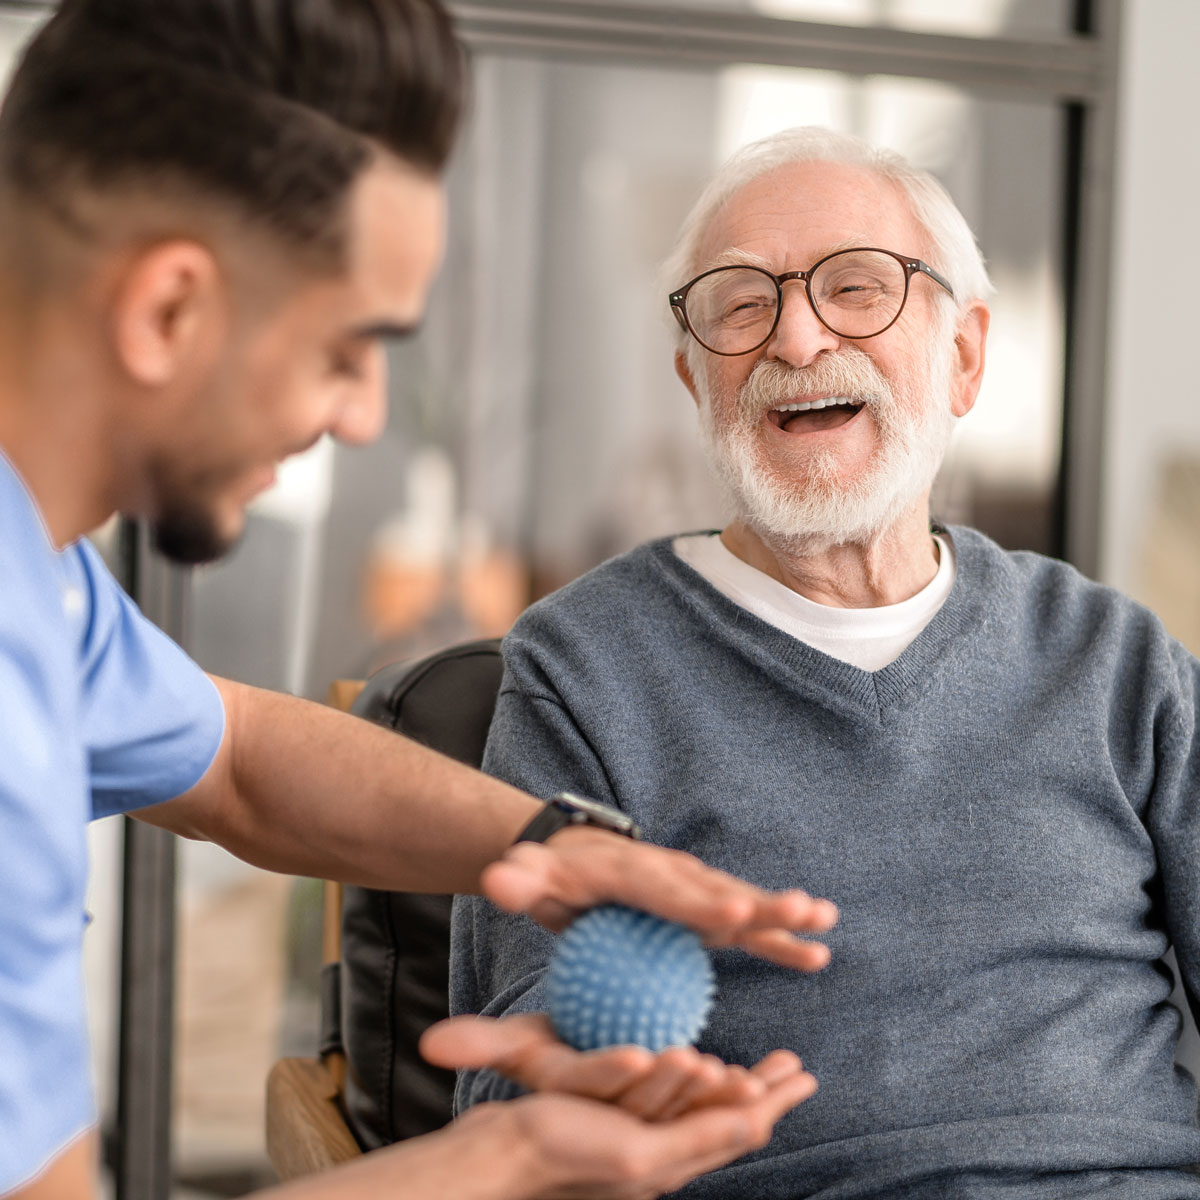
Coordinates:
[849,373]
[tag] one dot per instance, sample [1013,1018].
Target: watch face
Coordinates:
[568,809]
[595,813]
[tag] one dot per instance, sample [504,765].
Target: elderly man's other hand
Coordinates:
[578,868]
[653,1087]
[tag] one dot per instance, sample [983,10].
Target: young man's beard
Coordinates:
[184,527]
[190,536]
[821,509]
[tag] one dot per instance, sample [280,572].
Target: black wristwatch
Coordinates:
[568,809]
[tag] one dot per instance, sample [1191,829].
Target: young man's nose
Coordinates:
[362,414]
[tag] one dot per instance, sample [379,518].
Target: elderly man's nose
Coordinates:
[799,336]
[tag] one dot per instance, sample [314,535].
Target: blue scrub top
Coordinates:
[101,713]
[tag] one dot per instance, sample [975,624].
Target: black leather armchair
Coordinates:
[389,981]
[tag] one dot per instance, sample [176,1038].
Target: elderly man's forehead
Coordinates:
[796,213]
[734,256]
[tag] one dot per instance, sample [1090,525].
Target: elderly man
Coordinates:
[989,763]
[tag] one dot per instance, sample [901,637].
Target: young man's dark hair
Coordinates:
[272,106]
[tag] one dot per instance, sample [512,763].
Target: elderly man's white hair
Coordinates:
[952,248]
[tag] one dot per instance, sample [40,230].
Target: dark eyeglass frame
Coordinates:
[912,266]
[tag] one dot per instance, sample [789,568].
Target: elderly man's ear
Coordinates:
[685,373]
[970,342]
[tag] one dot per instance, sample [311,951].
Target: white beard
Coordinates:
[821,509]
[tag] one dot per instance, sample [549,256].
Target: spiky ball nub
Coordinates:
[621,976]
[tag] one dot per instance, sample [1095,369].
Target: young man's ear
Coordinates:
[685,373]
[167,311]
[970,345]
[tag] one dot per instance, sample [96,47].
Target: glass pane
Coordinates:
[15,31]
[963,18]
[550,339]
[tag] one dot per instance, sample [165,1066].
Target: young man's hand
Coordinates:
[555,1147]
[653,1087]
[581,1148]
[580,867]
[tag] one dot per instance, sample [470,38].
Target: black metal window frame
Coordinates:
[1076,71]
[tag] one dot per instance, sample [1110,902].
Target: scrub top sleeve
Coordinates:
[152,720]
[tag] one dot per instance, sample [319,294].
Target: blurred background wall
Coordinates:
[1151,510]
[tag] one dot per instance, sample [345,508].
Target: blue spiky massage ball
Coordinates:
[621,976]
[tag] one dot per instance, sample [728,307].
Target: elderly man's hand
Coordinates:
[654,1087]
[580,867]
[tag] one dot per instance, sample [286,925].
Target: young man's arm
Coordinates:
[533,1148]
[299,788]
[69,1176]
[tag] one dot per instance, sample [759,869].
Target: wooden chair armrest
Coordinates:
[306,1131]
[343,693]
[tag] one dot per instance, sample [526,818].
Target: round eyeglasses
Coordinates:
[855,293]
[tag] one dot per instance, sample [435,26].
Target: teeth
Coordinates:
[810,405]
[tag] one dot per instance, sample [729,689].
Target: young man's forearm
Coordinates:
[300,788]
[467,1160]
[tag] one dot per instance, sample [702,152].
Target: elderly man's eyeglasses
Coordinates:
[855,294]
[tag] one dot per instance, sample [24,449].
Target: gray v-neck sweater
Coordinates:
[1008,817]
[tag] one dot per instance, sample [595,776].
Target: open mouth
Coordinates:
[814,416]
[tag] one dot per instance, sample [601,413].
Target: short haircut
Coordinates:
[953,250]
[271,107]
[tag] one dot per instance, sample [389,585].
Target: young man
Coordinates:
[212,214]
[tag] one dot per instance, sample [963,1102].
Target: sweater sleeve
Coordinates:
[1173,817]
[498,961]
